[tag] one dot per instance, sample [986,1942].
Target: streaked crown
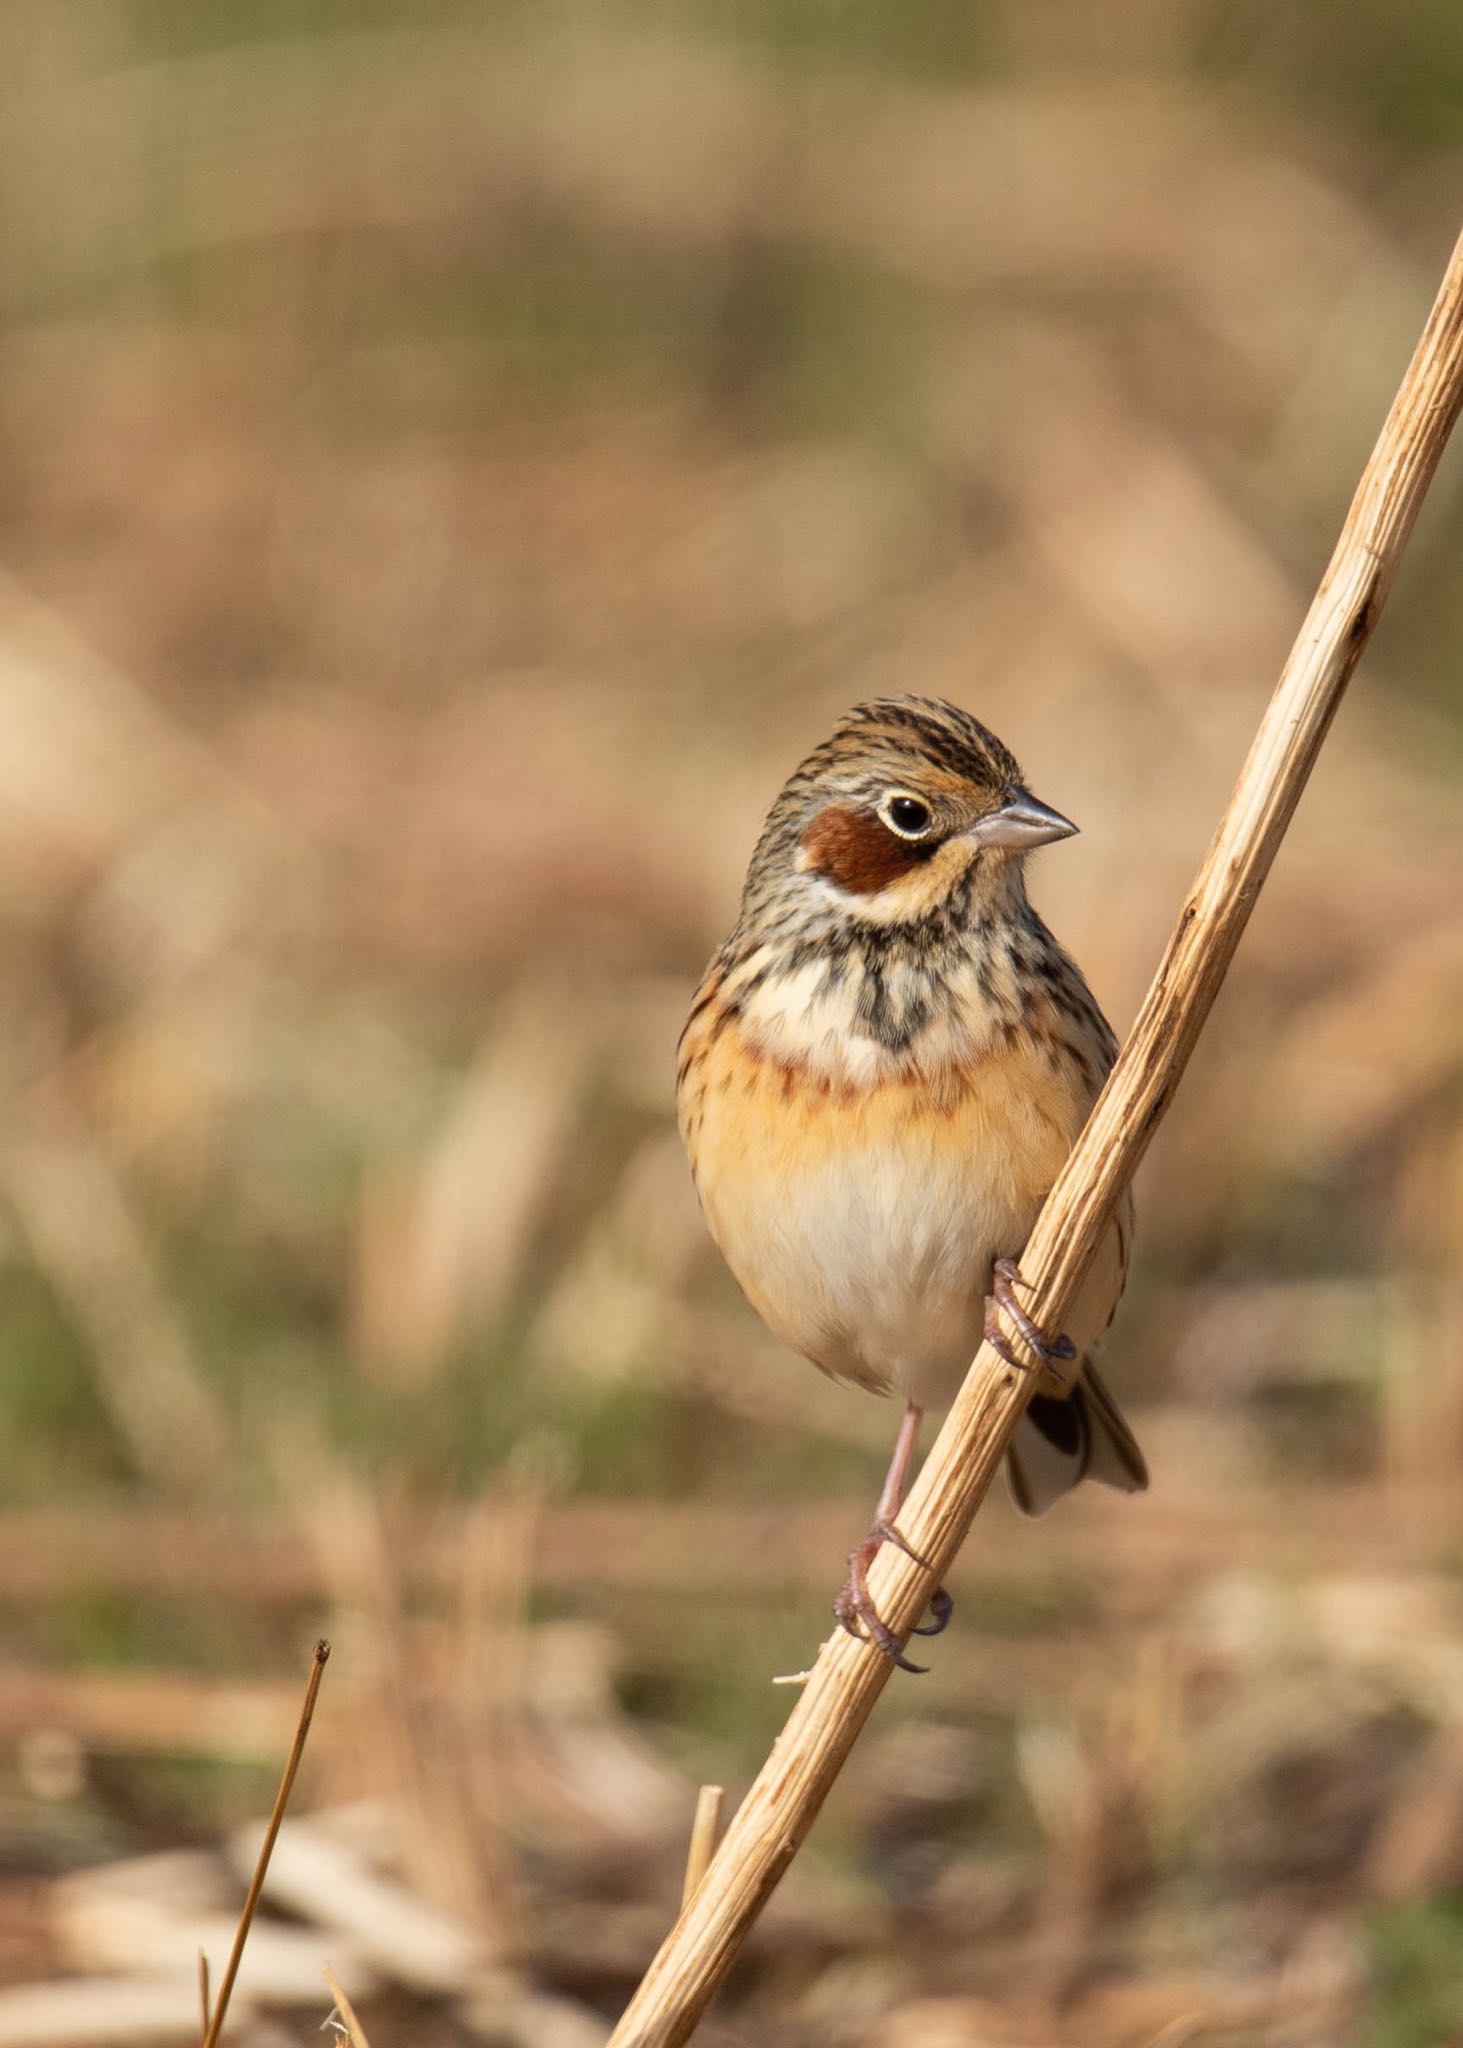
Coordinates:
[914,735]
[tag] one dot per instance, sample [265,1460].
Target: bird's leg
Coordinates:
[854,1607]
[1003,1296]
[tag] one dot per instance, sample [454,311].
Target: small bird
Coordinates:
[883,1070]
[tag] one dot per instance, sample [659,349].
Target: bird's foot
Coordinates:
[1003,1297]
[855,1610]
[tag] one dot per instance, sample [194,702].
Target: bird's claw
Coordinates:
[854,1608]
[942,1607]
[1002,1297]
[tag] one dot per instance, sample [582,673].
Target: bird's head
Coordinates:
[908,800]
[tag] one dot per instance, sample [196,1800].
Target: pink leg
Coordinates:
[854,1607]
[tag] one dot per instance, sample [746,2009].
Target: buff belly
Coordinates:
[862,1224]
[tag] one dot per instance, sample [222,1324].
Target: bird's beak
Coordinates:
[1020,821]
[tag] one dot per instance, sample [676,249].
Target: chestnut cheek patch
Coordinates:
[859,854]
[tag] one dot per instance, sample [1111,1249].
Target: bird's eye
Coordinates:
[909,816]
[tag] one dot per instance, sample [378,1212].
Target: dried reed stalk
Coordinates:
[848,1677]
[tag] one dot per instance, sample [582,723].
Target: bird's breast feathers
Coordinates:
[859,1192]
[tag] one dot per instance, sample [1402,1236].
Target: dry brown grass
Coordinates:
[453,468]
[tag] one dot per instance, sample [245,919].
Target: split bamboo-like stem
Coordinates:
[769,1827]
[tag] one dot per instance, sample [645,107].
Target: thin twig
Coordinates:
[205,2003]
[355,2032]
[318,1662]
[848,1677]
[703,1838]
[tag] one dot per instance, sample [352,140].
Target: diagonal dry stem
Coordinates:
[318,1660]
[848,1677]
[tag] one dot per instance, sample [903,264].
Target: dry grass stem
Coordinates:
[87,1233]
[205,1999]
[392,1928]
[95,2011]
[592,1548]
[355,2032]
[281,1800]
[704,1830]
[766,1832]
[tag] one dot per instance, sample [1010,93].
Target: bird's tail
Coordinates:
[1065,1438]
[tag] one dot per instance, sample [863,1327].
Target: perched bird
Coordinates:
[884,1068]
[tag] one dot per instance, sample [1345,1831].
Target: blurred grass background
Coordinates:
[456,461]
